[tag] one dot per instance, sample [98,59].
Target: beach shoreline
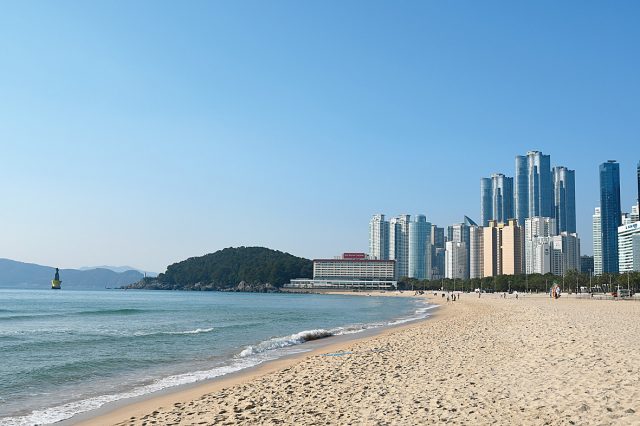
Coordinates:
[479,360]
[123,409]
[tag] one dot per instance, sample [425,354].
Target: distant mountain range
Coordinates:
[119,269]
[15,274]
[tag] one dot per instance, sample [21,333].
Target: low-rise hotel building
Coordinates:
[351,271]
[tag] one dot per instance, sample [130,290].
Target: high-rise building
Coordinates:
[540,227]
[538,243]
[610,214]
[379,237]
[437,252]
[503,247]
[459,232]
[540,184]
[476,250]
[486,201]
[521,193]
[419,264]
[586,264]
[566,253]
[533,186]
[629,247]
[638,185]
[456,260]
[440,263]
[564,191]
[399,244]
[597,242]
[497,198]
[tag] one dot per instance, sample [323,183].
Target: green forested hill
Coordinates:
[225,269]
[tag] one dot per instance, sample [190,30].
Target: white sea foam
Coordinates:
[283,342]
[65,411]
[196,331]
[159,333]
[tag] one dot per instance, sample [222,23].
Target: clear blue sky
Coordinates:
[144,133]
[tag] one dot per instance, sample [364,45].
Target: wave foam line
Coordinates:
[68,410]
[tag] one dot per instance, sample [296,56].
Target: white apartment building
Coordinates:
[597,242]
[538,243]
[629,247]
[476,252]
[539,255]
[565,253]
[379,237]
[455,260]
[545,251]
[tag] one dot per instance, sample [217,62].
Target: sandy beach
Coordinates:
[487,360]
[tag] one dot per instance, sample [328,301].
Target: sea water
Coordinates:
[66,352]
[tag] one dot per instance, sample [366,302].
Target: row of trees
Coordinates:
[572,281]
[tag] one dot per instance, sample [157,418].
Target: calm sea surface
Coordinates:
[66,352]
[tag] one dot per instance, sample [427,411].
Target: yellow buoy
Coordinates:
[55,282]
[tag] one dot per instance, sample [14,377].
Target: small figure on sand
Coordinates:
[554,293]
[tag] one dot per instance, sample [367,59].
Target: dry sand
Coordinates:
[478,361]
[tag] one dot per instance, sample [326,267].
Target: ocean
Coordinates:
[67,352]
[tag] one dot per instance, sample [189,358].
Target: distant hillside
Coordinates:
[119,269]
[15,274]
[241,268]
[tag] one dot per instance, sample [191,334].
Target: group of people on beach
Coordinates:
[554,293]
[450,296]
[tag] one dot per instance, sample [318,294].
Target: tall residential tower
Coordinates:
[496,198]
[597,242]
[533,186]
[610,214]
[419,263]
[564,191]
[379,238]
[399,244]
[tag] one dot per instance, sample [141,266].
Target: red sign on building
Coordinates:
[354,256]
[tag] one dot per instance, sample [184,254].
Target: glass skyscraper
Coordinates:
[564,190]
[437,252]
[533,186]
[497,198]
[419,265]
[399,244]
[610,214]
[486,203]
[520,195]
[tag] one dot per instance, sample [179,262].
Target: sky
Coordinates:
[143,133]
